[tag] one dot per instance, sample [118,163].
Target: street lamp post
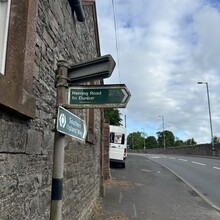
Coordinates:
[144,140]
[210,116]
[164,144]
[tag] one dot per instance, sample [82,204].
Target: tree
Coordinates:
[135,140]
[216,139]
[169,139]
[178,142]
[190,141]
[113,116]
[151,142]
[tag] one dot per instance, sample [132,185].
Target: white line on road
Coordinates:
[138,184]
[120,197]
[182,159]
[155,157]
[217,168]
[144,170]
[202,164]
[135,212]
[172,158]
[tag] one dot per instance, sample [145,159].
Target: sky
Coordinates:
[162,48]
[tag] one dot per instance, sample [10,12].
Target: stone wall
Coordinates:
[200,149]
[26,145]
[106,165]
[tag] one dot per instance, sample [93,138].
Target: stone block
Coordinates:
[34,143]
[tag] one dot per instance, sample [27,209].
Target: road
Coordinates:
[202,174]
[146,190]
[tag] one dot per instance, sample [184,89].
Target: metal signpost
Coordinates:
[59,144]
[98,96]
[70,124]
[95,69]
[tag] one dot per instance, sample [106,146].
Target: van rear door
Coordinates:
[117,153]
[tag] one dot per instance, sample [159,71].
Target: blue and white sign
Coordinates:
[70,124]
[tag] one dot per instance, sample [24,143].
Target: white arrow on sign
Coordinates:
[126,95]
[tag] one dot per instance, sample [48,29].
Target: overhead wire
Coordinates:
[116,37]
[114,8]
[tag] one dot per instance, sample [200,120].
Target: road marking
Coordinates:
[172,158]
[202,164]
[144,170]
[217,168]
[120,197]
[135,212]
[138,184]
[155,157]
[182,159]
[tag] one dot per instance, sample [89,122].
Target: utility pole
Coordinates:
[144,139]
[164,139]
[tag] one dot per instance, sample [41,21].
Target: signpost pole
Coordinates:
[59,144]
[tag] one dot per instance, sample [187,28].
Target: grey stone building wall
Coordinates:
[26,145]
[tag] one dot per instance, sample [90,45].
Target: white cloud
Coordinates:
[165,48]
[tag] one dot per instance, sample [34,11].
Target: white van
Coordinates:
[118,145]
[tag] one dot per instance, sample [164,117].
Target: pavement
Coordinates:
[145,190]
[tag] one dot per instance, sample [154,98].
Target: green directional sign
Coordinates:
[98,96]
[70,124]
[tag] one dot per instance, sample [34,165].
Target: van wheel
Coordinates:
[123,165]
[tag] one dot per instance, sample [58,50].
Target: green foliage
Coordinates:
[169,139]
[112,116]
[189,142]
[135,141]
[216,139]
[179,143]
[151,142]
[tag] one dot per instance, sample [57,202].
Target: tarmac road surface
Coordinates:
[201,173]
[145,190]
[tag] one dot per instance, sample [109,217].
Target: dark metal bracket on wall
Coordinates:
[76,6]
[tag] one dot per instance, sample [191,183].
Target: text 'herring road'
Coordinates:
[85,95]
